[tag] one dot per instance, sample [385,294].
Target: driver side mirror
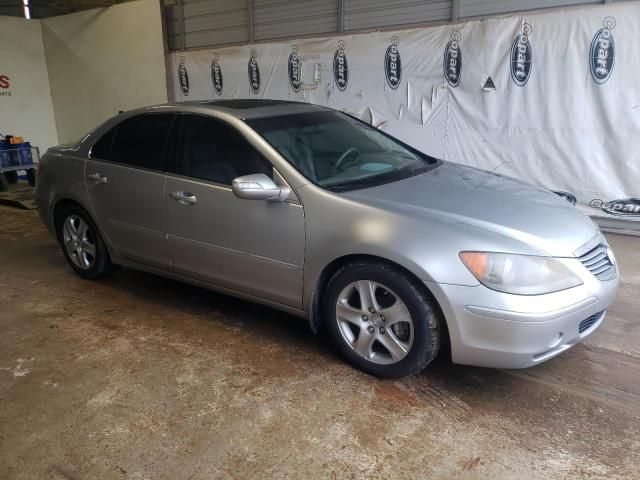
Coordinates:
[259,187]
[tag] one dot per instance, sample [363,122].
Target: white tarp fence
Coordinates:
[552,98]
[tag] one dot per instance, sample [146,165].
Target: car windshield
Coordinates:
[339,152]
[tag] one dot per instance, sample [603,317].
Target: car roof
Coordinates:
[248,108]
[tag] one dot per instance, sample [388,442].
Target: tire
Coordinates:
[94,262]
[4,183]
[419,337]
[12,177]
[31,177]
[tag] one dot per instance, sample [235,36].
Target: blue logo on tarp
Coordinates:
[452,62]
[254,72]
[294,70]
[183,78]
[521,57]
[393,64]
[341,67]
[602,54]
[216,76]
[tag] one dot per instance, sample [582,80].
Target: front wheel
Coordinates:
[381,319]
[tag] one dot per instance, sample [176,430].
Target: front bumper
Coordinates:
[499,330]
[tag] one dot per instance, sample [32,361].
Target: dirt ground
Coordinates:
[139,377]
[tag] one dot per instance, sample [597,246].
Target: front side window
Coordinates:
[138,141]
[338,152]
[212,150]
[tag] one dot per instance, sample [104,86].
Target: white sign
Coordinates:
[564,113]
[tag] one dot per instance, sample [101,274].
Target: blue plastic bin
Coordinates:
[5,155]
[23,153]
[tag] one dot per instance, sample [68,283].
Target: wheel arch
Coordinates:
[56,209]
[315,310]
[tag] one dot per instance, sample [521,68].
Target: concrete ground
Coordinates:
[138,377]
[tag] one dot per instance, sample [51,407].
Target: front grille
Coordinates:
[587,323]
[598,262]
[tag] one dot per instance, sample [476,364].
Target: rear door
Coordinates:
[250,246]
[125,179]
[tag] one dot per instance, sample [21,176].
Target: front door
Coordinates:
[125,179]
[249,246]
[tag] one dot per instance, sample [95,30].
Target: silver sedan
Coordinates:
[306,209]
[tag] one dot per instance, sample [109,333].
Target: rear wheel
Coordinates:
[4,183]
[82,244]
[12,177]
[381,320]
[31,177]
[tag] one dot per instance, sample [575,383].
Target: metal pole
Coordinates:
[252,33]
[455,10]
[341,15]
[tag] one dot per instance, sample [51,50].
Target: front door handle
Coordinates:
[184,198]
[97,178]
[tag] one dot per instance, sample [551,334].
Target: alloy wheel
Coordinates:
[79,242]
[374,322]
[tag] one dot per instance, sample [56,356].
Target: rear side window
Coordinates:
[138,141]
[212,150]
[102,148]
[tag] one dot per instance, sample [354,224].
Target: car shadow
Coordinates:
[459,389]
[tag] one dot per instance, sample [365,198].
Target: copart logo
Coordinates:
[393,64]
[183,78]
[254,72]
[341,67]
[295,72]
[5,84]
[452,63]
[569,197]
[626,207]
[216,76]
[602,54]
[521,56]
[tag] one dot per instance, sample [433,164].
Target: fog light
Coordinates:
[556,341]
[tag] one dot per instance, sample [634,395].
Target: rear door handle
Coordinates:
[97,178]
[184,198]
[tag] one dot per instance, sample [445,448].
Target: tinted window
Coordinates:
[212,150]
[141,141]
[102,148]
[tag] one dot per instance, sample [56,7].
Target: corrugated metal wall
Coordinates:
[207,23]
[477,8]
[275,19]
[366,14]
[11,8]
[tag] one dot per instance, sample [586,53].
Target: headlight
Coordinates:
[519,274]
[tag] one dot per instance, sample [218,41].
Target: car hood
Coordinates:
[503,205]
